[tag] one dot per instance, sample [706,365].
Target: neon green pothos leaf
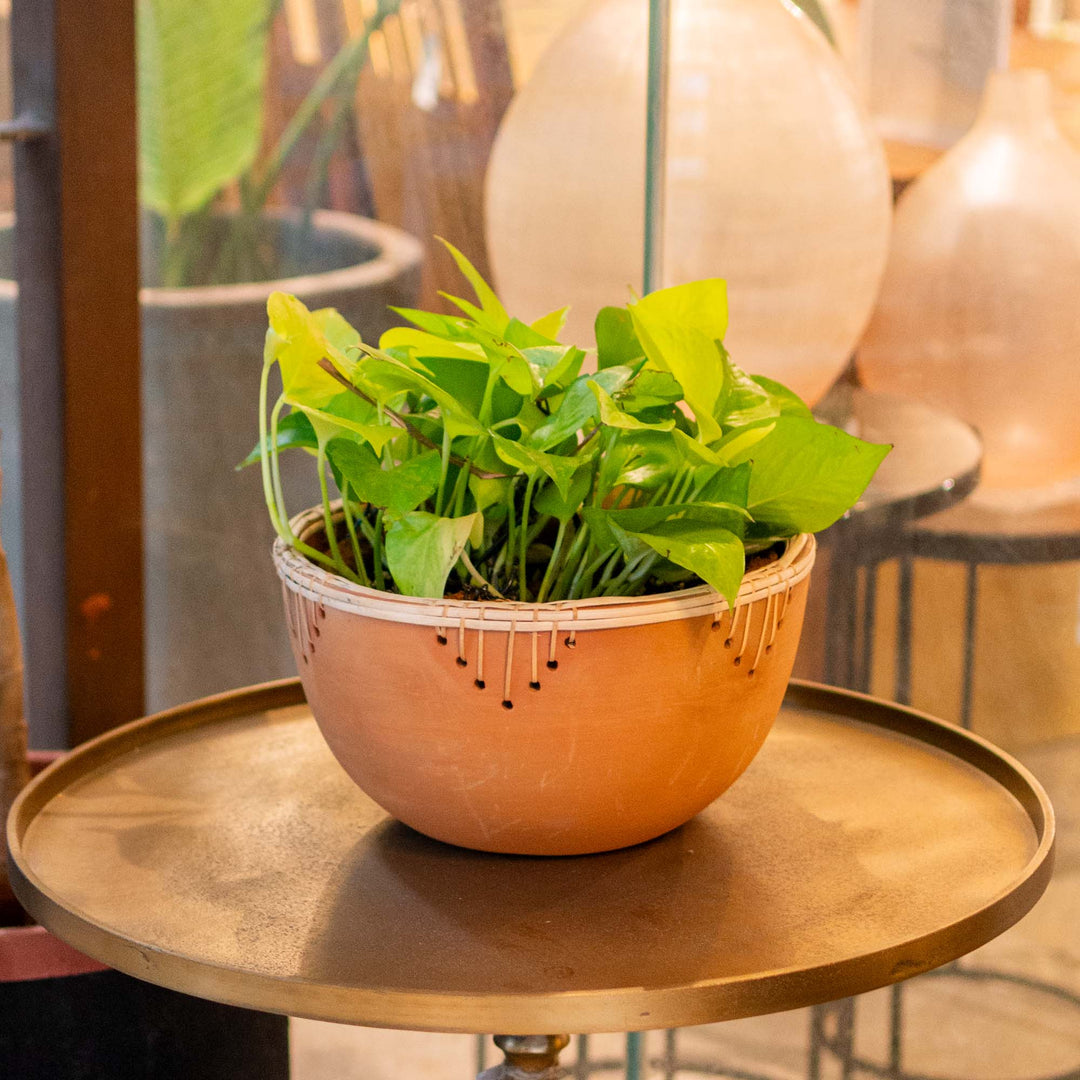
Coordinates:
[422,549]
[530,461]
[424,344]
[578,407]
[300,339]
[294,432]
[551,324]
[328,425]
[616,341]
[805,475]
[613,416]
[492,313]
[680,330]
[400,489]
[715,555]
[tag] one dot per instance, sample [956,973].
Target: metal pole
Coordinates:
[656,141]
[41,473]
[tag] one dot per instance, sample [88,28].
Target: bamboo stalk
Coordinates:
[14,770]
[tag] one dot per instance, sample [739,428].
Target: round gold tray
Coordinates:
[218,849]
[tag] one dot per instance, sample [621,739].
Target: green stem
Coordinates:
[460,487]
[350,524]
[526,506]
[676,484]
[577,546]
[484,415]
[444,466]
[584,575]
[614,587]
[506,555]
[275,465]
[687,484]
[367,530]
[609,569]
[264,455]
[477,577]
[553,562]
[377,549]
[328,519]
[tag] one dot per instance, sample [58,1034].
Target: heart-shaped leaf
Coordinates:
[422,549]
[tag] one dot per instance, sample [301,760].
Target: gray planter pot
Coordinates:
[213,604]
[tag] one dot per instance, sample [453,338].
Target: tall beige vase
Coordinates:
[775,180]
[980,308]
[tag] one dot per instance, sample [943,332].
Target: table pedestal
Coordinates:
[528,1057]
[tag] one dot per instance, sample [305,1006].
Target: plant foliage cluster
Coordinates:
[475,455]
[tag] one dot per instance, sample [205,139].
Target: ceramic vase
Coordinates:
[774,181]
[980,307]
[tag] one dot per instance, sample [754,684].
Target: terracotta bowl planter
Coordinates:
[544,729]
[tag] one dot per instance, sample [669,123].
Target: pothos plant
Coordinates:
[474,455]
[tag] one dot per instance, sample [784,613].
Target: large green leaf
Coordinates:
[613,416]
[201,72]
[578,406]
[421,550]
[564,505]
[423,344]
[400,489]
[530,461]
[645,459]
[382,377]
[805,475]
[299,339]
[715,555]
[492,314]
[718,516]
[616,342]
[680,330]
[329,426]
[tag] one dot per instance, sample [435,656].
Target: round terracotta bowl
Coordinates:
[544,729]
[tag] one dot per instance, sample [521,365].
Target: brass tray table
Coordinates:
[218,849]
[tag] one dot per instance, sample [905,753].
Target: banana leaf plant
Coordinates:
[476,455]
[201,89]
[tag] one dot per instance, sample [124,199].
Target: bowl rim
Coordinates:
[300,576]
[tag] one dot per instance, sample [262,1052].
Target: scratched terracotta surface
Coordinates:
[552,745]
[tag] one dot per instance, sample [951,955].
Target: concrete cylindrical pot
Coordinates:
[544,729]
[212,608]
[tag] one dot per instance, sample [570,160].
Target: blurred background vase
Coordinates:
[774,180]
[980,307]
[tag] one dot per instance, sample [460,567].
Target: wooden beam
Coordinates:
[95,73]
